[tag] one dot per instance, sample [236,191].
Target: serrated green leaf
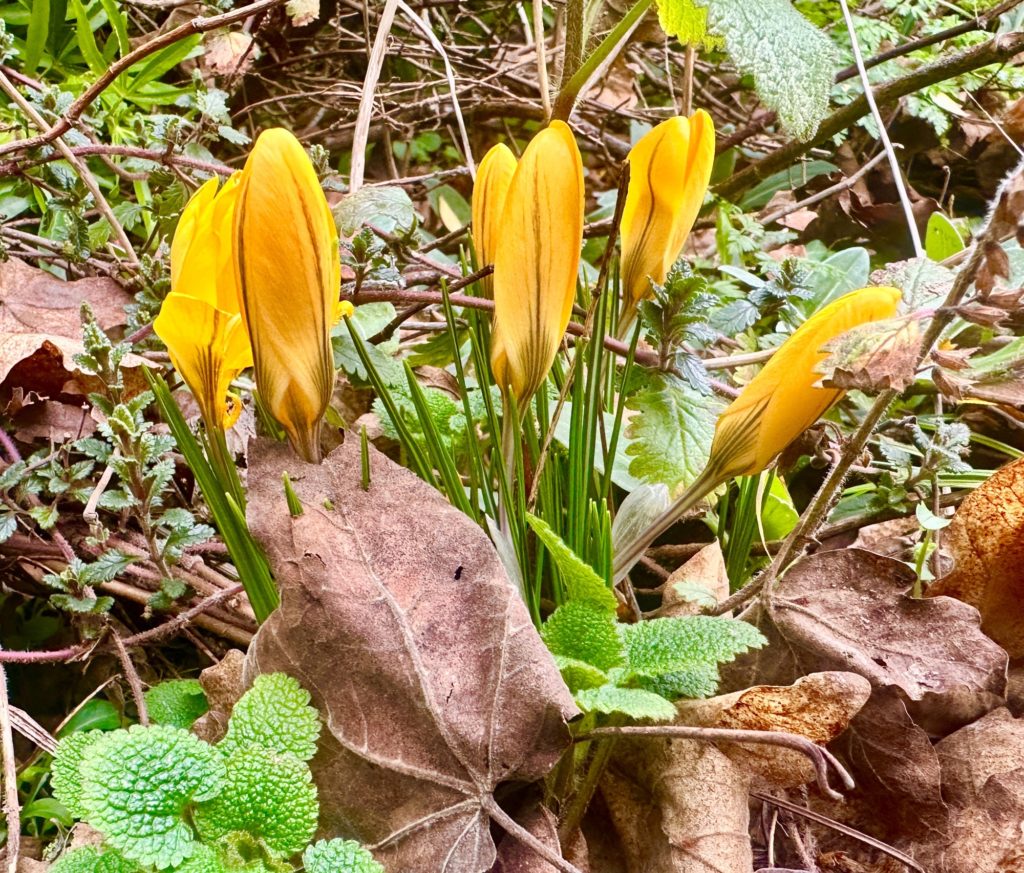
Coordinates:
[270,796]
[673,645]
[137,785]
[45,516]
[791,61]
[66,770]
[91,860]
[387,208]
[579,674]
[687,22]
[339,856]
[581,631]
[671,432]
[697,683]
[177,702]
[636,703]
[580,579]
[274,715]
[204,859]
[8,525]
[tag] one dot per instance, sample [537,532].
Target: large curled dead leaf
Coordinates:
[398,617]
[818,707]
[986,542]
[849,610]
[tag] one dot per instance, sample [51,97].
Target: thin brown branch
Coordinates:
[12,808]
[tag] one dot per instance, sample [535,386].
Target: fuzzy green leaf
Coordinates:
[270,796]
[66,770]
[687,22]
[178,702]
[636,703]
[581,631]
[580,674]
[91,860]
[687,649]
[581,581]
[204,860]
[274,715]
[339,856]
[672,432]
[136,785]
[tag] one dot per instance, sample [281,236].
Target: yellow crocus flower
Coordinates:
[785,398]
[774,408]
[669,171]
[288,272]
[493,178]
[536,261]
[199,320]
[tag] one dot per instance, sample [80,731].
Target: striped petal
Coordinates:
[536,260]
[669,171]
[781,401]
[493,178]
[288,272]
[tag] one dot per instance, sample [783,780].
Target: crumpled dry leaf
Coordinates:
[702,580]
[34,301]
[896,770]
[398,617]
[874,357]
[223,684]
[986,542]
[678,806]
[230,53]
[848,610]
[818,707]
[515,856]
[983,780]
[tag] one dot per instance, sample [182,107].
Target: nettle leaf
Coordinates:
[66,770]
[581,581]
[137,785]
[91,860]
[8,525]
[791,61]
[270,796]
[636,703]
[177,702]
[204,860]
[274,715]
[686,649]
[671,431]
[339,856]
[579,674]
[580,631]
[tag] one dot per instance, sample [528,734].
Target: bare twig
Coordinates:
[517,831]
[132,675]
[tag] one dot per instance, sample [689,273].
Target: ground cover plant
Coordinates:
[511,436]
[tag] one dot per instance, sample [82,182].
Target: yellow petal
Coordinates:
[493,178]
[289,273]
[193,259]
[208,348]
[536,260]
[222,218]
[781,402]
[669,171]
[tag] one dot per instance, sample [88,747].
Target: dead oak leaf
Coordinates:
[398,617]
[986,542]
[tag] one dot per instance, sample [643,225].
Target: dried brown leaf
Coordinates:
[873,358]
[398,616]
[514,856]
[818,707]
[969,757]
[223,684]
[704,572]
[679,806]
[986,542]
[34,301]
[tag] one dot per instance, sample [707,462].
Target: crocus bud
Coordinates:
[782,400]
[536,261]
[669,171]
[289,274]
[493,177]
[199,320]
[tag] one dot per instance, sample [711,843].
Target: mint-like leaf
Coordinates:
[274,715]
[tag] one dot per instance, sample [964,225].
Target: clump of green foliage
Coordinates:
[165,800]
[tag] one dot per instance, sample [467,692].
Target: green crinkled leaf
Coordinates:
[677,645]
[696,683]
[270,796]
[672,431]
[581,581]
[636,703]
[387,208]
[579,674]
[66,770]
[687,22]
[178,702]
[136,785]
[581,631]
[791,61]
[204,860]
[274,715]
[339,856]
[91,860]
